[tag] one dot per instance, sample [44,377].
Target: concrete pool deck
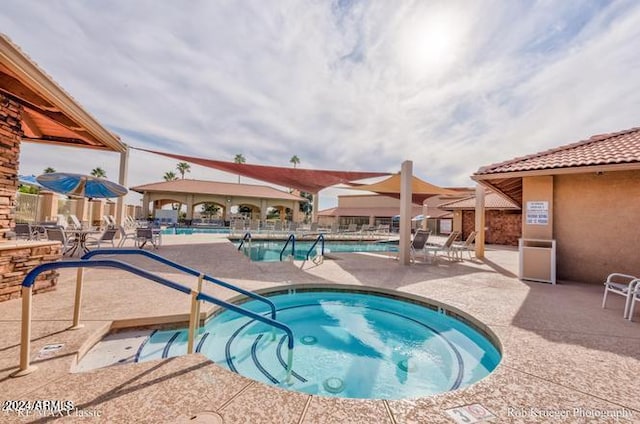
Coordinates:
[564,358]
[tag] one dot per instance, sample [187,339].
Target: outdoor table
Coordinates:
[79,240]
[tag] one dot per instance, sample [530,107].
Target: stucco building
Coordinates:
[584,195]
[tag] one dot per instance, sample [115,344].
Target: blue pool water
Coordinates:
[195,230]
[268,251]
[350,345]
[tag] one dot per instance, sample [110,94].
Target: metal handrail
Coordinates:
[31,276]
[319,238]
[185,269]
[29,280]
[292,239]
[247,236]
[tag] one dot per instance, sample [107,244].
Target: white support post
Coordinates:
[78,300]
[479,224]
[122,180]
[200,279]
[192,322]
[25,335]
[406,177]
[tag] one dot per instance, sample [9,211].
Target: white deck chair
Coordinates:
[445,247]
[62,221]
[623,285]
[459,248]
[124,236]
[75,222]
[107,237]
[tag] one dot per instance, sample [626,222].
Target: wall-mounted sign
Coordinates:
[537,213]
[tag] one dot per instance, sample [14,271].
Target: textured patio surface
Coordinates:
[564,358]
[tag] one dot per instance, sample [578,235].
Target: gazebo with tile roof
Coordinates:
[592,189]
[194,192]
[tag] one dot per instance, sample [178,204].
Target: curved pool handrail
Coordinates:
[31,276]
[185,269]
[247,236]
[292,239]
[319,238]
[242,311]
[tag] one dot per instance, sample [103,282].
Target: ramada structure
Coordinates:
[257,198]
[34,108]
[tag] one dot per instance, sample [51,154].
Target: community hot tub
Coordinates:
[348,343]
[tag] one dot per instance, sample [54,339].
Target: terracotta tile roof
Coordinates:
[384,211]
[217,188]
[604,149]
[491,201]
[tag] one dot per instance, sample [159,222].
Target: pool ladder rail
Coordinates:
[319,258]
[291,239]
[196,296]
[247,236]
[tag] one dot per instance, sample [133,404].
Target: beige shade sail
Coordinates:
[421,190]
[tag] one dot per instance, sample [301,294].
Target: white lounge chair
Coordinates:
[107,237]
[75,222]
[623,285]
[445,247]
[466,246]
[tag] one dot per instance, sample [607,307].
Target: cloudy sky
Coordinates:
[345,84]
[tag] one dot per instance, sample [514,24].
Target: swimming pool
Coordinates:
[269,251]
[194,230]
[347,344]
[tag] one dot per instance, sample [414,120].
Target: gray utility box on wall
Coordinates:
[538,260]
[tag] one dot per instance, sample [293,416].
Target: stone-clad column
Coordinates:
[10,134]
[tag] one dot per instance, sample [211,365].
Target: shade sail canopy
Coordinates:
[421,190]
[309,180]
[81,185]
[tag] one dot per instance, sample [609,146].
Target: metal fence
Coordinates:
[27,207]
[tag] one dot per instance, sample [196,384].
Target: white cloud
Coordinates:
[347,84]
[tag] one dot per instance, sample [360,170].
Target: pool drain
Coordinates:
[333,385]
[308,340]
[407,366]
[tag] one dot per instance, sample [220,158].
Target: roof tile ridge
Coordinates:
[593,139]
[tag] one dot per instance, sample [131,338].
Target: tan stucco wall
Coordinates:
[596,221]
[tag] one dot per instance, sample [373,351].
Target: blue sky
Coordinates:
[349,84]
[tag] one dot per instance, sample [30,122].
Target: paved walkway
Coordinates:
[564,358]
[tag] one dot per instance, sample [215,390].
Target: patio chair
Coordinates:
[459,248]
[24,231]
[107,237]
[58,234]
[147,235]
[445,247]
[62,221]
[418,244]
[623,285]
[124,235]
[75,222]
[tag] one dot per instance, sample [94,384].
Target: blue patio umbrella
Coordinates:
[29,180]
[81,185]
[419,218]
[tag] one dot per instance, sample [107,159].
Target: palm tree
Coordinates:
[98,173]
[294,160]
[182,168]
[170,176]
[49,170]
[239,159]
